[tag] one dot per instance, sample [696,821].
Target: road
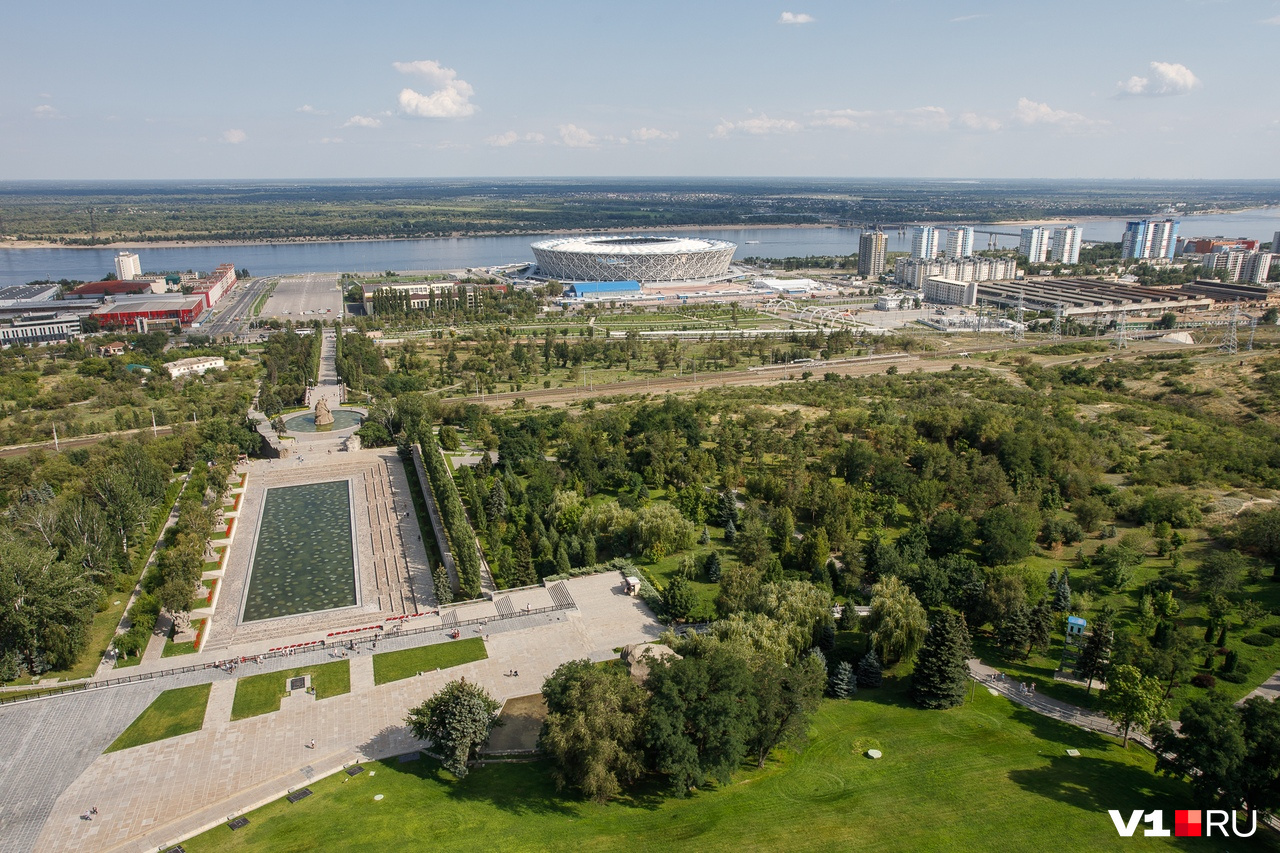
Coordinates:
[305,297]
[233,310]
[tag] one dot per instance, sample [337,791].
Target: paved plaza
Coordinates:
[158,793]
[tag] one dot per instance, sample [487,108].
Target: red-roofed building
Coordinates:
[215,286]
[118,288]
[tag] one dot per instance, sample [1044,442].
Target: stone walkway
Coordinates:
[993,679]
[159,793]
[1269,690]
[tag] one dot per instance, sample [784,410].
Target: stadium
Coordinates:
[640,259]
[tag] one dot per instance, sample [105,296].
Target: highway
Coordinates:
[233,311]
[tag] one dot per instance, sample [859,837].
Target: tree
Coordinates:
[594,729]
[679,599]
[1006,534]
[843,684]
[1259,533]
[457,720]
[1014,634]
[897,623]
[1209,749]
[941,672]
[701,713]
[786,697]
[1041,625]
[1062,595]
[869,671]
[712,566]
[1095,657]
[1132,699]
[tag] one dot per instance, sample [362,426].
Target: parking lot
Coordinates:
[305,297]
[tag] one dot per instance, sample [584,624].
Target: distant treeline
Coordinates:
[85,214]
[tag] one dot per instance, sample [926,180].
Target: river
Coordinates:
[18,266]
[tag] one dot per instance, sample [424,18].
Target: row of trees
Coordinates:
[462,540]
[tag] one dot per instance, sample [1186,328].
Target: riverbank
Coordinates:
[6,243]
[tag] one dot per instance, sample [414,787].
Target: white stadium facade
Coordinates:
[641,259]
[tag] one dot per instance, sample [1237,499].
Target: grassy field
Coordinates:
[175,712]
[393,666]
[987,776]
[261,694]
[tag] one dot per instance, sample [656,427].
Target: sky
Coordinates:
[275,89]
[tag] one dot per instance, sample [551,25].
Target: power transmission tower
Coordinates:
[1019,314]
[1057,322]
[1122,329]
[1253,327]
[1230,341]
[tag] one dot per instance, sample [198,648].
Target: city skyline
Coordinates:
[141,90]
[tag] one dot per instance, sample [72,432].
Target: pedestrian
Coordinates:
[93,810]
[313,743]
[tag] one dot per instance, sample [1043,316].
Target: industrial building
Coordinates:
[24,295]
[117,288]
[638,259]
[1082,296]
[127,310]
[39,329]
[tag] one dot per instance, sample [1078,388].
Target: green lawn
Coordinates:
[990,775]
[175,712]
[261,694]
[393,666]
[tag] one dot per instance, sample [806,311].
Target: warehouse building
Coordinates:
[39,329]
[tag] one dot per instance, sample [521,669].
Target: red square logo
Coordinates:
[1187,822]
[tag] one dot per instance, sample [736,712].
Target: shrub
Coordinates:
[1271,630]
[1260,640]
[1233,677]
[1204,680]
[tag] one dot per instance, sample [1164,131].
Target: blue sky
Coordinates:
[971,88]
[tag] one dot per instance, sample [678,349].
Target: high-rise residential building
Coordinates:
[128,267]
[1146,238]
[1275,244]
[1065,248]
[1034,245]
[1256,267]
[924,242]
[871,253]
[959,242]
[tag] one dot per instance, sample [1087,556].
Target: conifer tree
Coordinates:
[843,683]
[712,567]
[941,673]
[1095,657]
[1053,579]
[1062,596]
[869,671]
[1014,633]
[1041,624]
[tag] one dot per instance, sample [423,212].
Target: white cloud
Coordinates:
[450,98]
[331,140]
[46,111]
[234,136]
[650,134]
[310,110]
[1031,112]
[963,18]
[795,18]
[362,121]
[758,126]
[1167,78]
[502,140]
[1275,22]
[916,118]
[576,137]
[974,121]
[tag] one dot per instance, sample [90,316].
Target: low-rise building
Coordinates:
[187,366]
[171,309]
[112,349]
[23,295]
[946,291]
[39,329]
[118,288]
